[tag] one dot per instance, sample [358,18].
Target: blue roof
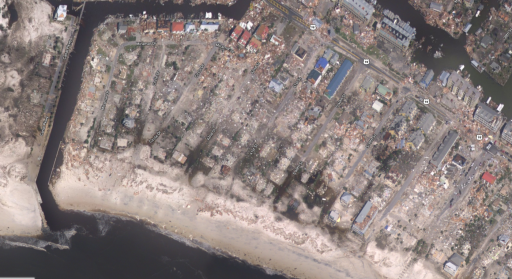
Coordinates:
[338,78]
[444,77]
[427,78]
[322,62]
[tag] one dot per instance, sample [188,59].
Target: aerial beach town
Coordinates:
[302,138]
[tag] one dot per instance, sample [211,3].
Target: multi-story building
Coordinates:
[365,218]
[408,109]
[395,31]
[359,8]
[507,133]
[489,117]
[415,140]
[444,148]
[426,122]
[463,89]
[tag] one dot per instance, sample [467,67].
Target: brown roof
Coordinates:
[178,26]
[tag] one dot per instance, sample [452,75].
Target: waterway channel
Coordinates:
[454,52]
[105,246]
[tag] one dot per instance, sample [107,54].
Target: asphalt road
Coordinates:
[360,58]
[289,13]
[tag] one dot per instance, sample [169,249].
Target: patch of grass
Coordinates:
[101,52]
[130,48]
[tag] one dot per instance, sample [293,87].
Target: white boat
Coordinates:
[488,100]
[500,107]
[477,13]
[461,67]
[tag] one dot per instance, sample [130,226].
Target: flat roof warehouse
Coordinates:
[338,78]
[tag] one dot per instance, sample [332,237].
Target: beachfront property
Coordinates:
[453,263]
[486,41]
[338,78]
[506,134]
[444,148]
[61,12]
[359,8]
[489,117]
[463,89]
[395,31]
[427,78]
[365,218]
[426,122]
[122,27]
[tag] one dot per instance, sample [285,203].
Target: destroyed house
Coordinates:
[299,52]
[338,78]
[261,33]
[426,122]
[436,7]
[365,218]
[163,26]
[237,32]
[367,83]
[398,125]
[254,45]
[427,78]
[444,148]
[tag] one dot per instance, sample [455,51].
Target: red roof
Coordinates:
[236,33]
[489,177]
[178,26]
[262,32]
[254,43]
[245,37]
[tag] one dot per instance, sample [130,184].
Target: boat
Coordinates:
[500,107]
[488,100]
[477,13]
[438,54]
[461,67]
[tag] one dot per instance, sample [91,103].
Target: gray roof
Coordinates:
[485,112]
[408,108]
[417,138]
[426,122]
[334,59]
[364,211]
[328,53]
[503,238]
[436,6]
[392,27]
[444,147]
[495,66]
[129,122]
[122,26]
[276,85]
[486,41]
[361,7]
[346,197]
[367,82]
[507,130]
[398,123]
[456,259]
[356,28]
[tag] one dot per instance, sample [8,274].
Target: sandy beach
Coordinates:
[242,229]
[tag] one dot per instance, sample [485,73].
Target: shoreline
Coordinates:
[281,246]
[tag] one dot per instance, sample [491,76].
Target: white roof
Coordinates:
[377,106]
